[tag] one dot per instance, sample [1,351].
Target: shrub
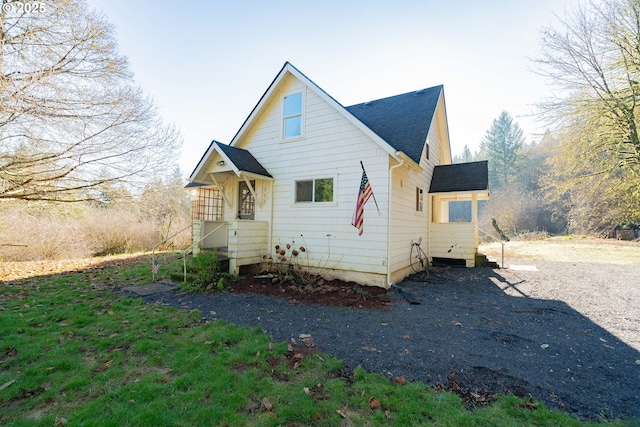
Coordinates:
[39,231]
[111,231]
[205,274]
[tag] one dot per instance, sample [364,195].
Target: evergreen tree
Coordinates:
[466,154]
[465,157]
[503,147]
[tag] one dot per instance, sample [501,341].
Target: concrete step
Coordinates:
[483,261]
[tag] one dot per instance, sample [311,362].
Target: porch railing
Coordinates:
[154,266]
[497,239]
[184,253]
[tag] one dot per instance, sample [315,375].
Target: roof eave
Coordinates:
[252,175]
[482,194]
[408,161]
[202,161]
[446,125]
[227,160]
[235,169]
[289,68]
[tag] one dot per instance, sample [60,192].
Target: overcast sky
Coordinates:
[207,63]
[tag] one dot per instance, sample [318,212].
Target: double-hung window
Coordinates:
[319,190]
[292,116]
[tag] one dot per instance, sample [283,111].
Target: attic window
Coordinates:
[292,116]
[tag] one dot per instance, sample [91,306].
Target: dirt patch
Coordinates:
[15,270]
[568,249]
[332,293]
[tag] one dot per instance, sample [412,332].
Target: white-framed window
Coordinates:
[292,116]
[419,199]
[317,190]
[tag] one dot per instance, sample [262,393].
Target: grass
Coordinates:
[74,355]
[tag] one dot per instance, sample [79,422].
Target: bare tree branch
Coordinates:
[71,117]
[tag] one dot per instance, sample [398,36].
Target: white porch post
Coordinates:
[474,220]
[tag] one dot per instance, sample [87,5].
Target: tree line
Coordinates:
[86,161]
[71,116]
[86,157]
[583,175]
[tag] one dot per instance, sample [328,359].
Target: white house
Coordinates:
[292,173]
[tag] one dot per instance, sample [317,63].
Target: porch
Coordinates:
[453,242]
[453,230]
[243,242]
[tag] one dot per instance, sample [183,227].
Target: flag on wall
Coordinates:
[364,193]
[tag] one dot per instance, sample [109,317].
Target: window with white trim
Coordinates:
[292,116]
[319,190]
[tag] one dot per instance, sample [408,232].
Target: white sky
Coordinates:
[207,63]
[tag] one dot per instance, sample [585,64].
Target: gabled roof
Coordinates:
[398,124]
[460,177]
[242,160]
[238,160]
[403,121]
[289,69]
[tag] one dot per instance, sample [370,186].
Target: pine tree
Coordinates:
[502,147]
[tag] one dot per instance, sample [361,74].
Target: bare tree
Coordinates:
[594,64]
[71,117]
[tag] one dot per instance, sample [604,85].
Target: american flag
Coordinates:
[156,266]
[364,192]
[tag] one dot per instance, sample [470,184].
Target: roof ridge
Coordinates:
[417,91]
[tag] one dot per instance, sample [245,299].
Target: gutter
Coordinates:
[389,283]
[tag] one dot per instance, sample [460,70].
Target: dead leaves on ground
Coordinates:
[18,270]
[266,404]
[374,403]
[104,367]
[399,380]
[471,398]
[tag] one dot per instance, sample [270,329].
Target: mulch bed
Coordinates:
[334,293]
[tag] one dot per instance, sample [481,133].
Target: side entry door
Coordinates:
[246,201]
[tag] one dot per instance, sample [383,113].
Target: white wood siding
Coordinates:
[408,225]
[453,240]
[218,237]
[247,242]
[331,147]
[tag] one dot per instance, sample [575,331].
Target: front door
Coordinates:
[246,201]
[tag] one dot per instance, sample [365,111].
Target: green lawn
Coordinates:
[72,354]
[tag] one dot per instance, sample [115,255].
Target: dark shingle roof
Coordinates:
[243,159]
[472,176]
[403,121]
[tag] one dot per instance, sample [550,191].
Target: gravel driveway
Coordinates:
[565,333]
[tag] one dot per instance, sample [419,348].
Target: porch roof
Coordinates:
[242,160]
[460,177]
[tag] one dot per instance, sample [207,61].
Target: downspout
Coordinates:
[389,218]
